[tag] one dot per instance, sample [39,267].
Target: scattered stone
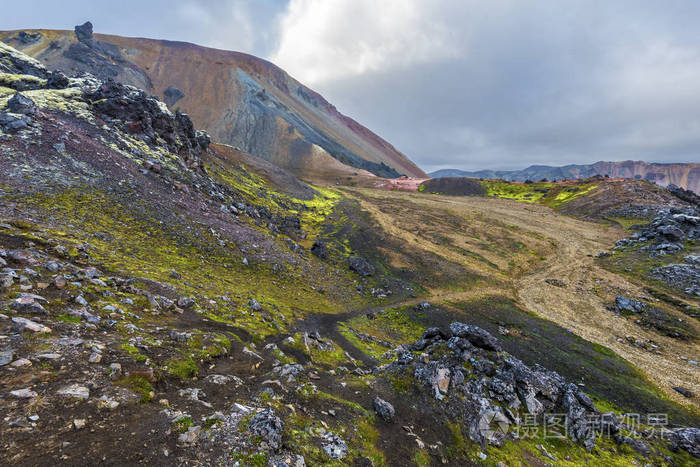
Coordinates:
[334,446]
[115,371]
[320,249]
[223,379]
[6,281]
[25,393]
[29,303]
[21,363]
[29,325]
[79,423]
[49,356]
[108,403]
[20,256]
[556,282]
[75,390]
[189,437]
[687,439]
[250,353]
[254,305]
[627,304]
[384,409]
[95,357]
[288,460]
[476,335]
[269,427]
[441,382]
[360,266]
[637,444]
[21,104]
[6,357]
[684,391]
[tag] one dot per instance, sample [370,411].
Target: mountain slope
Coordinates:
[684,175]
[239,99]
[184,297]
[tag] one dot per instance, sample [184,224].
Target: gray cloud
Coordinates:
[460,83]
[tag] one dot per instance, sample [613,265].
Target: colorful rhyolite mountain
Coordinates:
[241,100]
[684,175]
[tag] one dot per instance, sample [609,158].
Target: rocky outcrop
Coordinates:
[667,233]
[490,392]
[149,120]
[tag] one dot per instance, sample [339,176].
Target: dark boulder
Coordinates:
[57,80]
[687,439]
[172,95]
[21,104]
[83,32]
[360,266]
[13,123]
[384,409]
[476,335]
[145,116]
[684,391]
[268,427]
[320,249]
[624,304]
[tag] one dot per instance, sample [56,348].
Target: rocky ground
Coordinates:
[168,301]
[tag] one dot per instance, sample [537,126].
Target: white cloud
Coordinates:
[322,40]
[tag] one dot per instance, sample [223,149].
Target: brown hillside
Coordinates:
[239,99]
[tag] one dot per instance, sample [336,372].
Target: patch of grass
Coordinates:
[402,383]
[256,459]
[627,222]
[184,368]
[133,352]
[139,384]
[422,458]
[66,318]
[182,424]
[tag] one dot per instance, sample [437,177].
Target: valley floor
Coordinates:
[581,304]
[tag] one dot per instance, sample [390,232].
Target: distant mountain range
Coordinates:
[239,99]
[683,175]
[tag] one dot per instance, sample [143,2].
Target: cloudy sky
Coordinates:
[457,83]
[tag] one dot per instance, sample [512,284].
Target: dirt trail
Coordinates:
[578,306]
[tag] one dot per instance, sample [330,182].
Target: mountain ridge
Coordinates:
[685,175]
[241,100]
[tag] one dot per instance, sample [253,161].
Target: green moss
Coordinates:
[133,352]
[550,194]
[142,245]
[256,459]
[139,384]
[182,424]
[460,447]
[184,368]
[627,223]
[422,458]
[66,318]
[402,383]
[368,437]
[603,350]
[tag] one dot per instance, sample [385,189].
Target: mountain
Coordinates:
[684,175]
[239,99]
[166,300]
